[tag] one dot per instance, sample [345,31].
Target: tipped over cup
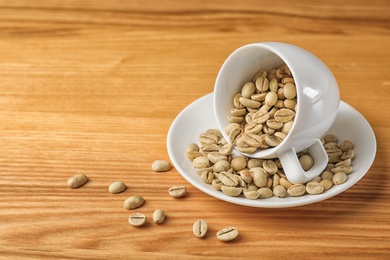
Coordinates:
[317,102]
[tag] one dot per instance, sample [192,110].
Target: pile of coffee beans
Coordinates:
[264,110]
[239,175]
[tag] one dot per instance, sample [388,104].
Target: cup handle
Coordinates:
[293,169]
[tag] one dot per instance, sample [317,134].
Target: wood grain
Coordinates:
[93,86]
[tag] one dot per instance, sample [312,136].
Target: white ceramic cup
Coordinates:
[318,99]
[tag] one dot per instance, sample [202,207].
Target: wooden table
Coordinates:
[93,86]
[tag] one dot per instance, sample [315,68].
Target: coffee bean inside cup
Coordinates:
[263,111]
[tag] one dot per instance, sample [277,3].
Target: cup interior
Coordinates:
[239,68]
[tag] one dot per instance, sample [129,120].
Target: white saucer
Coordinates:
[199,116]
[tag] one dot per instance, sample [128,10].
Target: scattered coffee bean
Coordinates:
[177,191]
[137,219]
[158,216]
[117,187]
[134,202]
[77,181]
[227,234]
[200,228]
[161,166]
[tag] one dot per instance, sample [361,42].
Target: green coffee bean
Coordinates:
[193,154]
[251,194]
[327,183]
[326,175]
[280,191]
[288,80]
[287,127]
[314,187]
[259,96]
[276,180]
[254,162]
[270,167]
[238,112]
[158,216]
[248,90]
[231,191]
[285,183]
[161,166]
[77,181]
[260,117]
[296,190]
[259,176]
[235,119]
[177,191]
[207,177]
[345,169]
[350,154]
[192,147]
[317,179]
[249,103]
[265,193]
[333,152]
[221,166]
[261,73]
[252,128]
[346,162]
[272,140]
[207,138]
[339,178]
[290,91]
[215,132]
[226,149]
[201,162]
[235,133]
[271,98]
[273,85]
[137,219]
[200,228]
[216,156]
[236,101]
[117,187]
[306,162]
[290,104]
[227,234]
[273,124]
[217,184]
[284,115]
[262,84]
[134,202]
[238,163]
[346,145]
[330,138]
